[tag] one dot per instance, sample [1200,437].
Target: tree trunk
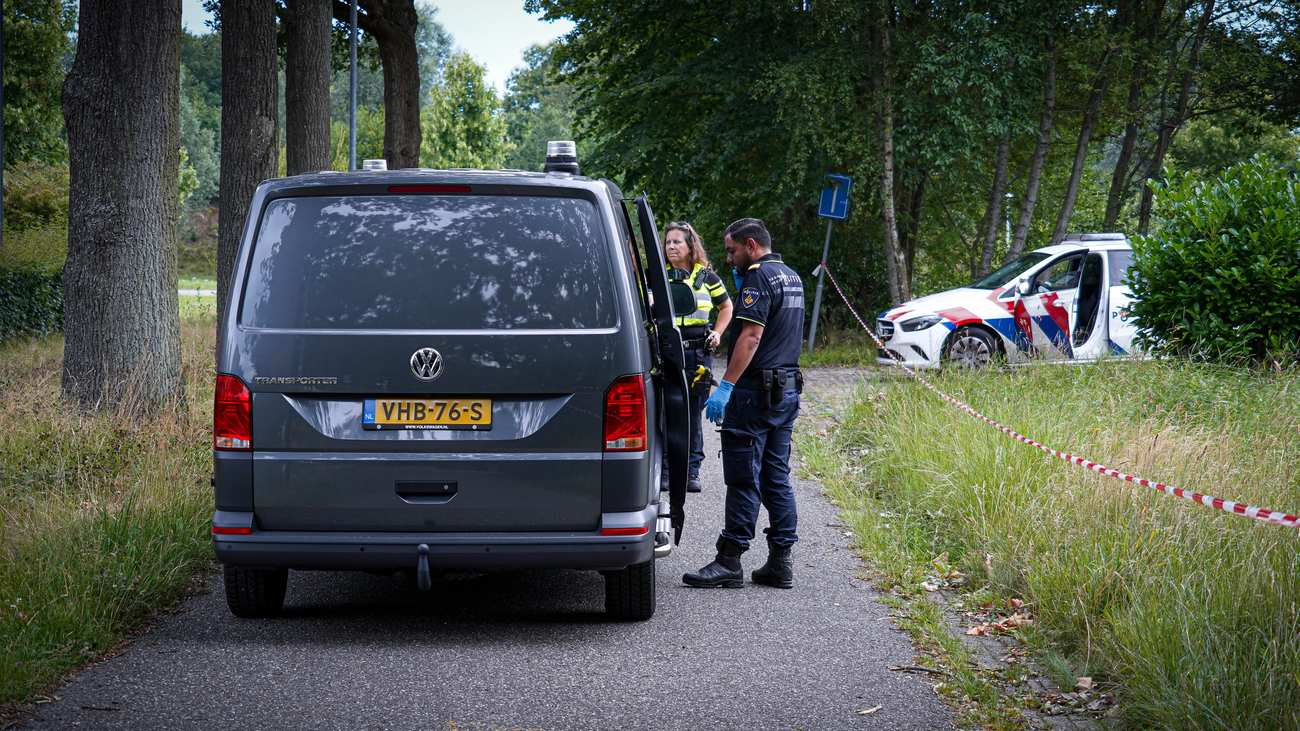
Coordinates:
[121,109]
[1148,21]
[1040,156]
[910,228]
[393,24]
[249,148]
[1090,113]
[993,212]
[307,86]
[1170,126]
[1119,178]
[899,289]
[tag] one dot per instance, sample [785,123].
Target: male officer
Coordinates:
[757,403]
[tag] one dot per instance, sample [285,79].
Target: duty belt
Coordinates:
[762,378]
[773,382]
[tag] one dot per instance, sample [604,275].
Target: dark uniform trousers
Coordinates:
[756,440]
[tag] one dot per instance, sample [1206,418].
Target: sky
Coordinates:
[495,32]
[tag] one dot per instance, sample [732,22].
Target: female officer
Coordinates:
[685,252]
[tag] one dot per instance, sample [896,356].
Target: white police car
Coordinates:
[1062,302]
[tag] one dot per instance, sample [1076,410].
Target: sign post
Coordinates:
[834,207]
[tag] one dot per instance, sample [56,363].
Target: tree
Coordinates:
[121,316]
[899,274]
[433,44]
[1100,84]
[249,144]
[989,227]
[1170,124]
[36,39]
[538,106]
[1034,176]
[393,23]
[464,127]
[307,86]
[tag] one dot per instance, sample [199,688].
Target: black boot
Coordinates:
[779,569]
[693,485]
[723,572]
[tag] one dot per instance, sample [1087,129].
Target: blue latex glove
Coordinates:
[717,403]
[739,280]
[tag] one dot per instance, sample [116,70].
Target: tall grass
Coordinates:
[102,518]
[1191,616]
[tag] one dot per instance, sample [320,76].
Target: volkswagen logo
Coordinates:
[426,364]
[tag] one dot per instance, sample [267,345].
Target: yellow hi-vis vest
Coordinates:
[704,294]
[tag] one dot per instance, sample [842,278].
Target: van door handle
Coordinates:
[426,492]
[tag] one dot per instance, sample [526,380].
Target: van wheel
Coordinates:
[970,347]
[255,593]
[630,593]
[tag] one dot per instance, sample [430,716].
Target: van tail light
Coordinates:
[624,531]
[625,420]
[232,415]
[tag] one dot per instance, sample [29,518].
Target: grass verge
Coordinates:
[103,518]
[841,348]
[1190,617]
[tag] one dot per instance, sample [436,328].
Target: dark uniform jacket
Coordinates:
[771,295]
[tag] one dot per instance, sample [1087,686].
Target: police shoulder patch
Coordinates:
[749,295]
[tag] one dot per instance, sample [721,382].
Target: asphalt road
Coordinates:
[529,650]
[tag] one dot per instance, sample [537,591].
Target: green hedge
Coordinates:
[31,302]
[31,280]
[1220,277]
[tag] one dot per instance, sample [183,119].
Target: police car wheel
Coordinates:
[970,348]
[630,593]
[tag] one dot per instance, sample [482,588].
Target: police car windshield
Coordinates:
[429,262]
[1009,271]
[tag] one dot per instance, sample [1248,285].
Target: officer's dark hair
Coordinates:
[750,228]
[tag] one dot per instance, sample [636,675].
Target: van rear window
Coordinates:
[429,262]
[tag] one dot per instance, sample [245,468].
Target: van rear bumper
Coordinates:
[339,550]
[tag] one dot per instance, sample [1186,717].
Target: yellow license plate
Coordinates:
[418,413]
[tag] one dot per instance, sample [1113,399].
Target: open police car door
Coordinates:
[670,378]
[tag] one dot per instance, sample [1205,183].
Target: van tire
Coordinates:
[630,593]
[253,593]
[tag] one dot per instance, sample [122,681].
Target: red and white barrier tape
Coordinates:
[1228,506]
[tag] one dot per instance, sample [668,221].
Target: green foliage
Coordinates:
[36,44]
[462,125]
[35,195]
[433,45]
[539,107]
[370,138]
[200,138]
[188,179]
[1207,147]
[31,279]
[31,302]
[1220,277]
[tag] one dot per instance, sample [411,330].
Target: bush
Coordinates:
[35,195]
[31,302]
[1220,277]
[31,280]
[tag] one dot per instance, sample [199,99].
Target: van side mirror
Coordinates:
[1022,287]
[682,297]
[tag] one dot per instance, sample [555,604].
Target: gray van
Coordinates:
[447,369]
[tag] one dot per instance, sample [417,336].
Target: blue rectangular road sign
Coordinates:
[835,197]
